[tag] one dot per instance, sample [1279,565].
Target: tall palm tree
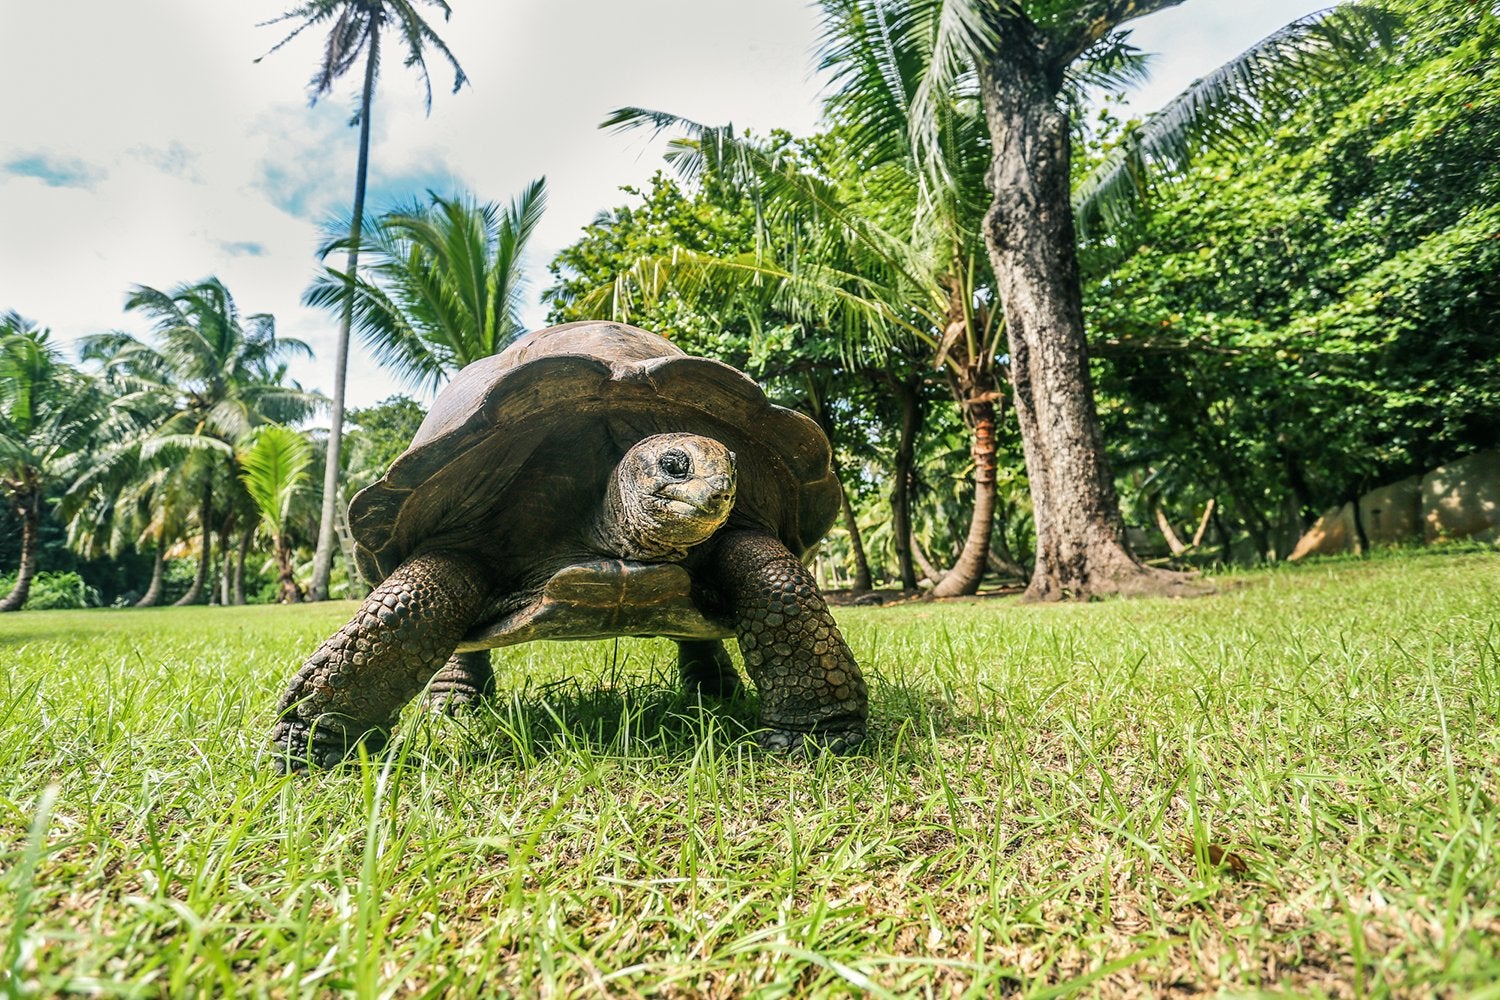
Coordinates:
[48,412]
[209,378]
[442,284]
[1020,53]
[356,30]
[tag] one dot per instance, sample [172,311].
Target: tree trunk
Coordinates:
[195,594]
[862,581]
[1080,536]
[323,554]
[158,575]
[28,506]
[977,400]
[929,572]
[246,537]
[1174,543]
[289,592]
[908,394]
[226,561]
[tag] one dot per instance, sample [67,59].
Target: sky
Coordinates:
[142,143]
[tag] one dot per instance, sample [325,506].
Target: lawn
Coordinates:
[1290,786]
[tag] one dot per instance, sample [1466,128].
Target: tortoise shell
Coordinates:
[527,439]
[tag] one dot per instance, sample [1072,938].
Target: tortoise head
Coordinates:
[669,493]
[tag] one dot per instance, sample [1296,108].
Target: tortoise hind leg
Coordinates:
[464,681]
[811,691]
[350,691]
[705,668]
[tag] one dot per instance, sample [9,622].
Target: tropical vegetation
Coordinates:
[1282,279]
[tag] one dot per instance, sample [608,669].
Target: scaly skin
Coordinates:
[705,667]
[465,680]
[811,693]
[351,690]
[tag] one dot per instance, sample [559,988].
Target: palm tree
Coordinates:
[210,377]
[47,418]
[878,64]
[442,284]
[273,466]
[356,30]
[1020,53]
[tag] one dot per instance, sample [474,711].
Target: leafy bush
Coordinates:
[50,591]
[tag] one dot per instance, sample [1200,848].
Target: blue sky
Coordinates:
[144,144]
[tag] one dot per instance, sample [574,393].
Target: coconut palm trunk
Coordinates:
[195,592]
[27,505]
[323,554]
[978,405]
[158,577]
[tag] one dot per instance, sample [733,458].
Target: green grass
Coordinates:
[1288,787]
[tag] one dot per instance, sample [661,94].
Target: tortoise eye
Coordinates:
[675,463]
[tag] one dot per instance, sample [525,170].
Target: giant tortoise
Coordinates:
[591,480]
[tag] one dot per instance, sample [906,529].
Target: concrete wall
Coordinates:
[1462,499]
[1331,535]
[1457,500]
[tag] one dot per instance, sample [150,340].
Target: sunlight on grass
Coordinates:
[1290,785]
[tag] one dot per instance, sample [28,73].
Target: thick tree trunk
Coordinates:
[323,554]
[195,592]
[1080,536]
[28,506]
[908,394]
[158,576]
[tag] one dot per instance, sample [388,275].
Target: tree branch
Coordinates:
[1092,20]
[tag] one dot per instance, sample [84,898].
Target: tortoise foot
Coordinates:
[838,741]
[466,680]
[299,748]
[706,669]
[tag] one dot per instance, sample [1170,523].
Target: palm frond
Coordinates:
[1230,107]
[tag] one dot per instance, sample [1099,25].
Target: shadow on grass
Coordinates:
[614,716]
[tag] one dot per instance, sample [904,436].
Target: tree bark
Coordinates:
[1080,536]
[289,592]
[158,576]
[226,561]
[195,593]
[1174,543]
[246,537]
[27,503]
[862,580]
[323,554]
[977,401]
[908,395]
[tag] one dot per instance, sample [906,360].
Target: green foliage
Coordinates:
[439,285]
[53,590]
[273,462]
[380,434]
[1316,319]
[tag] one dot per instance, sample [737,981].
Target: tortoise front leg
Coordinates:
[351,690]
[811,691]
[705,668]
